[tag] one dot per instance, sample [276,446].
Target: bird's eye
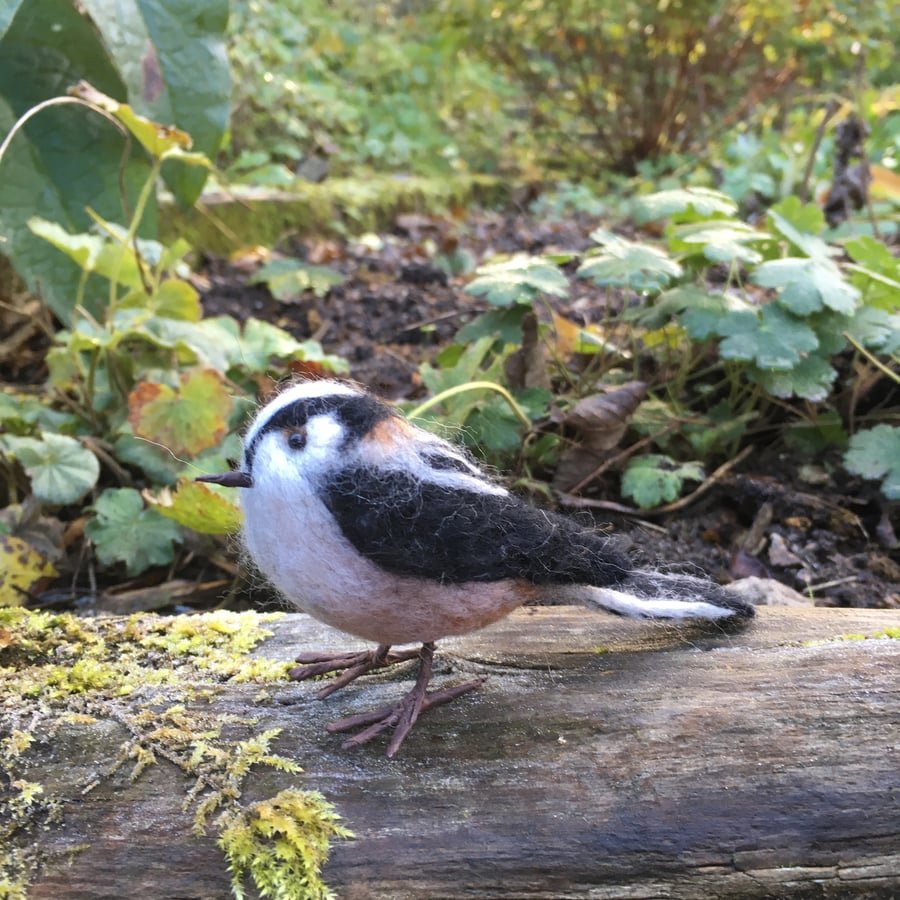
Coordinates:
[297,440]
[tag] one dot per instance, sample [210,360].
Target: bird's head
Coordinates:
[307,430]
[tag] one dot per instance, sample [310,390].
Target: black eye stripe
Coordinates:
[441,462]
[358,413]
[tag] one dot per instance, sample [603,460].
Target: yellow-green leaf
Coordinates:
[186,421]
[158,140]
[21,567]
[200,507]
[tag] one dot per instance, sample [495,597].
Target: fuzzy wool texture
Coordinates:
[391,534]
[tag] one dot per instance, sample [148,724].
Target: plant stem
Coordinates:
[473,386]
[143,198]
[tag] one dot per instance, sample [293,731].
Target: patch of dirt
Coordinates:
[832,540]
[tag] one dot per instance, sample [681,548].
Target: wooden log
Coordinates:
[601,758]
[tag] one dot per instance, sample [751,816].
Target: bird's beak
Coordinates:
[228,479]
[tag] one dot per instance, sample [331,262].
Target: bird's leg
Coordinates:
[402,715]
[352,664]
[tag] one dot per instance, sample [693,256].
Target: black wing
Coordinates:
[414,527]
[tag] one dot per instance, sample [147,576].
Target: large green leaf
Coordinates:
[518,279]
[719,240]
[165,56]
[287,279]
[8,9]
[808,285]
[684,204]
[875,453]
[772,338]
[123,531]
[811,379]
[624,263]
[67,158]
[876,273]
[60,469]
[171,56]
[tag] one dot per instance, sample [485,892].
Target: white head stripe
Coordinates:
[305,390]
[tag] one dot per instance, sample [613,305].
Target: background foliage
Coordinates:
[167,59]
[567,85]
[740,299]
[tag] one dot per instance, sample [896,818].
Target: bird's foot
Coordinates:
[402,715]
[351,664]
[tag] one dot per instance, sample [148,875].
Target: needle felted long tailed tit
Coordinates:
[389,533]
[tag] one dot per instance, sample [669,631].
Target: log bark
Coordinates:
[601,758]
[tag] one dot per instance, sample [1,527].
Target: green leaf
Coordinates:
[873,255]
[876,329]
[875,453]
[60,469]
[707,317]
[67,158]
[186,421]
[8,9]
[519,279]
[287,279]
[171,56]
[91,252]
[154,461]
[800,225]
[877,273]
[808,285]
[504,324]
[772,338]
[200,507]
[719,240]
[684,204]
[623,263]
[174,299]
[20,413]
[492,425]
[795,216]
[458,365]
[687,299]
[156,138]
[123,531]
[811,379]
[262,342]
[653,479]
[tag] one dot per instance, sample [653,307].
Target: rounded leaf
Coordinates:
[60,469]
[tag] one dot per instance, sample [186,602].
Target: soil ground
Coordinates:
[810,526]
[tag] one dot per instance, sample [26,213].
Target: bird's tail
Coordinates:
[659,595]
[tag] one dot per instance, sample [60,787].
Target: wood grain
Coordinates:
[602,758]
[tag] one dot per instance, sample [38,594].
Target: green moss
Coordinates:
[282,844]
[221,223]
[890,632]
[157,678]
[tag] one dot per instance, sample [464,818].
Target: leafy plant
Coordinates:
[654,479]
[287,279]
[875,453]
[775,332]
[706,66]
[328,87]
[141,388]
[168,62]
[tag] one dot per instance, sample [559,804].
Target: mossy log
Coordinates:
[221,223]
[601,758]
